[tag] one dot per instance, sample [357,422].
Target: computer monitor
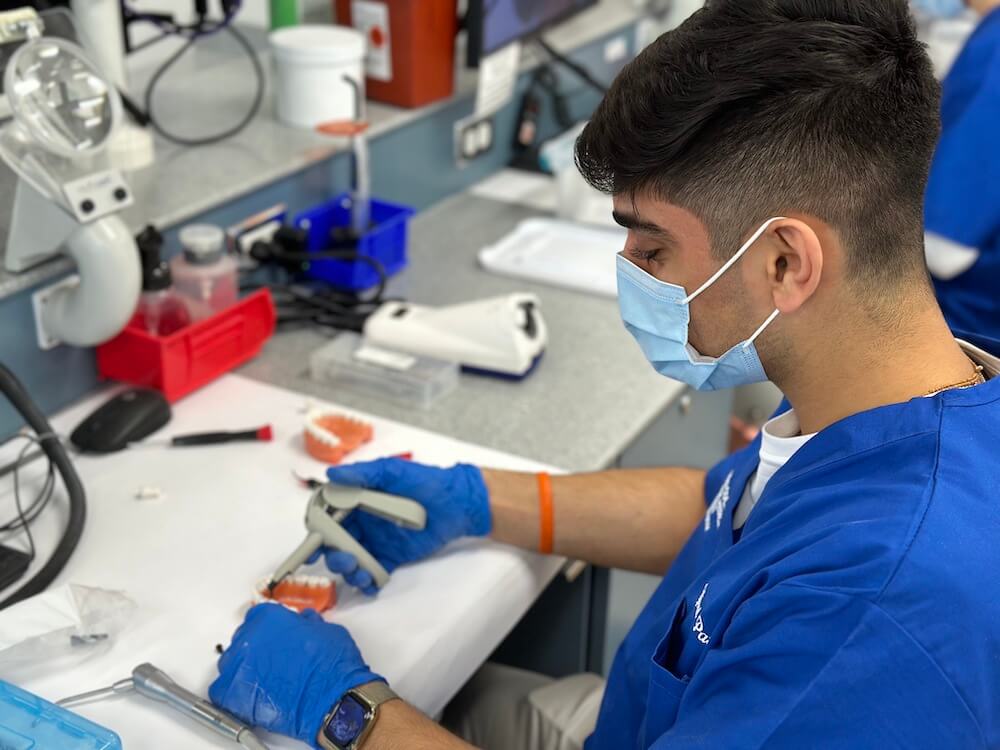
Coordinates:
[493,24]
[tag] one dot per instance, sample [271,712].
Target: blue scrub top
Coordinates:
[963,197]
[859,609]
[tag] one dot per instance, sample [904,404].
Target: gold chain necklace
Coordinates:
[975,379]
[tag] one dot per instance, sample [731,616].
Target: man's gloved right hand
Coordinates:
[456,500]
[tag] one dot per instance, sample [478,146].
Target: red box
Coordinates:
[196,355]
[416,51]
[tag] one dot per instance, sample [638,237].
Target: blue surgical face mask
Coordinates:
[940,8]
[658,315]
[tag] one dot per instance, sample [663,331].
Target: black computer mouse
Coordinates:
[128,417]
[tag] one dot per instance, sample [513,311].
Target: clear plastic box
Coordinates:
[349,362]
[28,722]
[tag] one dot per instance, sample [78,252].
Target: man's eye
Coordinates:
[644,256]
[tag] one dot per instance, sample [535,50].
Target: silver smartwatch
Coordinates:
[351,720]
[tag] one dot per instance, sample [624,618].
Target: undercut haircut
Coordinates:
[757,108]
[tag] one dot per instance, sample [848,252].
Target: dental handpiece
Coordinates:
[151,682]
[157,685]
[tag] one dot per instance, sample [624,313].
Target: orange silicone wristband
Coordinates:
[546,514]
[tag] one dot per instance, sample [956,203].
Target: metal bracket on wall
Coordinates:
[39,302]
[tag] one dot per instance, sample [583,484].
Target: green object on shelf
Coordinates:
[284,13]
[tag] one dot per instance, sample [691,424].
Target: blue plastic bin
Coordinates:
[386,242]
[28,722]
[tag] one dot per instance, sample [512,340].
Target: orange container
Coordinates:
[195,355]
[411,47]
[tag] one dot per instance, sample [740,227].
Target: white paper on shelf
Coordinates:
[497,77]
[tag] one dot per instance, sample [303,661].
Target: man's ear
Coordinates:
[795,264]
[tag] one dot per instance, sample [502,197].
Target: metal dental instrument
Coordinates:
[119,688]
[151,682]
[329,505]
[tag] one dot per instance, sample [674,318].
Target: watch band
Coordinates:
[375,694]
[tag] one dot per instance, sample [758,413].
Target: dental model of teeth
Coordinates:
[330,436]
[300,592]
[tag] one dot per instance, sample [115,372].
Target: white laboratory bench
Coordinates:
[229,514]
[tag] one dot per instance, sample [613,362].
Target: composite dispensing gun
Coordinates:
[331,504]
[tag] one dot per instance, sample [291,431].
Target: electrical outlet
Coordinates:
[259,227]
[474,136]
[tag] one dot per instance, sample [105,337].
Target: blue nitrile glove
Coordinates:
[456,501]
[284,671]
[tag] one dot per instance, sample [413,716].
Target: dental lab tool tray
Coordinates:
[559,253]
[350,363]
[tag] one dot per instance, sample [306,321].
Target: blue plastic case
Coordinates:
[28,722]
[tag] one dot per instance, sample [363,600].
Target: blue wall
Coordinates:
[412,165]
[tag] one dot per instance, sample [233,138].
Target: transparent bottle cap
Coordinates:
[203,243]
[60,97]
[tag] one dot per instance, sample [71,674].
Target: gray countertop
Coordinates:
[592,394]
[184,182]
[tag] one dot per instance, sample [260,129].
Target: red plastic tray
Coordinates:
[196,355]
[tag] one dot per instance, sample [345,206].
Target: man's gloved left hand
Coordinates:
[284,671]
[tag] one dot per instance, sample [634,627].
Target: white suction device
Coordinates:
[68,197]
[501,335]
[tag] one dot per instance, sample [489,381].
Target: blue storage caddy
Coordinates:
[28,722]
[386,242]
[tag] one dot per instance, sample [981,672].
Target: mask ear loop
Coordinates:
[732,261]
[749,342]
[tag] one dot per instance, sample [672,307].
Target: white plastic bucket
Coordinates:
[310,65]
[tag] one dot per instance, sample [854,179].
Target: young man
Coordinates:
[834,584]
[963,197]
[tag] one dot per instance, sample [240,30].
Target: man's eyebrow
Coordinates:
[644,227]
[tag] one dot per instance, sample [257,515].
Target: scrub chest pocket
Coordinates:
[666,682]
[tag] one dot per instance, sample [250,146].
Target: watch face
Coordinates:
[347,722]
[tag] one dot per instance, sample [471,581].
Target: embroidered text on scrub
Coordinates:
[699,623]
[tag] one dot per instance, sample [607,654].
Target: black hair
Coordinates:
[755,108]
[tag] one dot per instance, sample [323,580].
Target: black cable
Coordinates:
[139,117]
[24,523]
[315,302]
[41,500]
[152,40]
[165,22]
[229,132]
[32,415]
[5,470]
[546,79]
[580,70]
[344,255]
[300,306]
